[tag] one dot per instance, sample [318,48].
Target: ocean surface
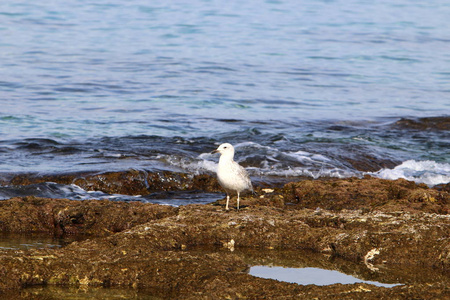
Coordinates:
[301,88]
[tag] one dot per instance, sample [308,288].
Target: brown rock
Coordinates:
[431,123]
[376,225]
[367,194]
[89,217]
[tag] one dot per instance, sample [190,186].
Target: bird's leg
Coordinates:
[228,200]
[238,201]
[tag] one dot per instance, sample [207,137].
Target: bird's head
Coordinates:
[225,149]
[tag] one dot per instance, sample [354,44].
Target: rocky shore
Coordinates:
[372,228]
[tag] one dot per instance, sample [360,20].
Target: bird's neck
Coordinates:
[226,158]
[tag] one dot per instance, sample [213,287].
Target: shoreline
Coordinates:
[144,182]
[380,224]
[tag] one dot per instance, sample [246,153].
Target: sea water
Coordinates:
[301,89]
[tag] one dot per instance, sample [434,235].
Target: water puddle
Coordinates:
[14,241]
[17,241]
[307,267]
[305,276]
[296,266]
[179,198]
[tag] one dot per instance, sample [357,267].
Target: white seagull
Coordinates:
[232,177]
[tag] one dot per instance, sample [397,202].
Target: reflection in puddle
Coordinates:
[290,265]
[34,241]
[305,276]
[297,266]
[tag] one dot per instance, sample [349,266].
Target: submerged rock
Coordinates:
[430,123]
[377,224]
[131,182]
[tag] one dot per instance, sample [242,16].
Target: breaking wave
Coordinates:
[263,161]
[428,172]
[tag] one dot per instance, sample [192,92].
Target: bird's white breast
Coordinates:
[231,176]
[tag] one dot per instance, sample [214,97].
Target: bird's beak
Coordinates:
[215,151]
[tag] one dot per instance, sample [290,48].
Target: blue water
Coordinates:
[301,87]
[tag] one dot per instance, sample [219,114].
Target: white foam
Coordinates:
[309,158]
[308,172]
[428,172]
[277,163]
[196,166]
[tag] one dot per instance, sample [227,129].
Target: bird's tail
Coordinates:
[253,190]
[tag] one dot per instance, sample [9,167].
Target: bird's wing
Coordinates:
[244,175]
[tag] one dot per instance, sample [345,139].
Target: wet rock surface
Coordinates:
[62,216]
[368,194]
[430,123]
[373,227]
[131,182]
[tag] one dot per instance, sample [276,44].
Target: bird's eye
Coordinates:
[225,147]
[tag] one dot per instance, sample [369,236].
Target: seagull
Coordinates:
[232,177]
